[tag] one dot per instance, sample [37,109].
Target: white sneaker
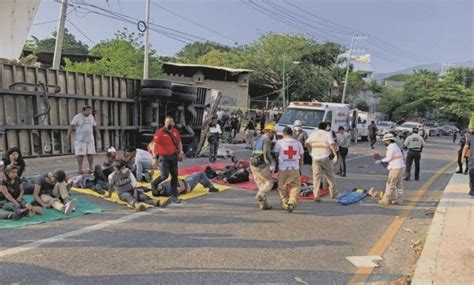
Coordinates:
[69,207]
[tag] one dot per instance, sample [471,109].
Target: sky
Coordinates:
[402,33]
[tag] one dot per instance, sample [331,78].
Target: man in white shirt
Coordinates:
[321,146]
[396,170]
[214,138]
[290,159]
[140,162]
[84,125]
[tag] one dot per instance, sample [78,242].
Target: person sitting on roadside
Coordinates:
[11,194]
[140,162]
[110,157]
[5,215]
[15,158]
[51,191]
[124,183]
[186,185]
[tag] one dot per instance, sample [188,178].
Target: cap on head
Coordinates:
[111,150]
[2,163]
[60,175]
[388,137]
[298,123]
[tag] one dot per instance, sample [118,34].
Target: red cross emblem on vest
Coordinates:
[290,152]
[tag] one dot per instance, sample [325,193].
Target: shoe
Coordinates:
[417,179]
[317,199]
[164,203]
[69,207]
[290,208]
[385,202]
[139,207]
[284,206]
[175,199]
[458,172]
[471,193]
[343,175]
[38,210]
[407,179]
[265,207]
[15,216]
[213,189]
[465,173]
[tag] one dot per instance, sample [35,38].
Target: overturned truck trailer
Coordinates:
[37,106]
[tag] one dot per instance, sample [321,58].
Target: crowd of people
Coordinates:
[284,157]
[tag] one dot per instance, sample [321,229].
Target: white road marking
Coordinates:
[39,243]
[364,261]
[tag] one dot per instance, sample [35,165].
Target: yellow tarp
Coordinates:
[197,192]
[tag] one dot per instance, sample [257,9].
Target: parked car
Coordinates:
[385,127]
[448,130]
[433,129]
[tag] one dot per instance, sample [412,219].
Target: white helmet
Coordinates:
[297,123]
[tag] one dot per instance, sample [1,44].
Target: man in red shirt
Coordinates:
[168,150]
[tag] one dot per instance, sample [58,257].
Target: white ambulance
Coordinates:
[312,113]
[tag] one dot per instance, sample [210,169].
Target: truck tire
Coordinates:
[156,83]
[184,97]
[156,93]
[184,89]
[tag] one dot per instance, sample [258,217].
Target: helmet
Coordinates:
[270,127]
[297,123]
[388,137]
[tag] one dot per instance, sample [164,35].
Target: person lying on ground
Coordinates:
[51,192]
[124,183]
[96,181]
[186,185]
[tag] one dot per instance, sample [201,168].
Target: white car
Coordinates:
[385,127]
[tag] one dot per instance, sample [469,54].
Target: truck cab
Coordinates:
[312,113]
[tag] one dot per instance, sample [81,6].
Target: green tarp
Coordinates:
[83,207]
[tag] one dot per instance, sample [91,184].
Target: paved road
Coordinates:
[223,238]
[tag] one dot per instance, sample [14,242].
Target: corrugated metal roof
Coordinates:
[228,69]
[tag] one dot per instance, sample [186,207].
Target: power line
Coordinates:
[289,15]
[79,30]
[191,21]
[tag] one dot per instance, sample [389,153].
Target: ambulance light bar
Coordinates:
[306,104]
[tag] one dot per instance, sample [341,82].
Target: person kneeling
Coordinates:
[123,181]
[186,185]
[51,191]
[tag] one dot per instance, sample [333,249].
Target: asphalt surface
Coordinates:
[223,238]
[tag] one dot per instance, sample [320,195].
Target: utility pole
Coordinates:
[283,88]
[60,36]
[346,78]
[147,40]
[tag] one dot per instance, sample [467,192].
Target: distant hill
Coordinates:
[433,67]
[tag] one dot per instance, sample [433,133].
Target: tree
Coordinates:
[398,77]
[121,56]
[192,52]
[70,44]
[461,75]
[362,106]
